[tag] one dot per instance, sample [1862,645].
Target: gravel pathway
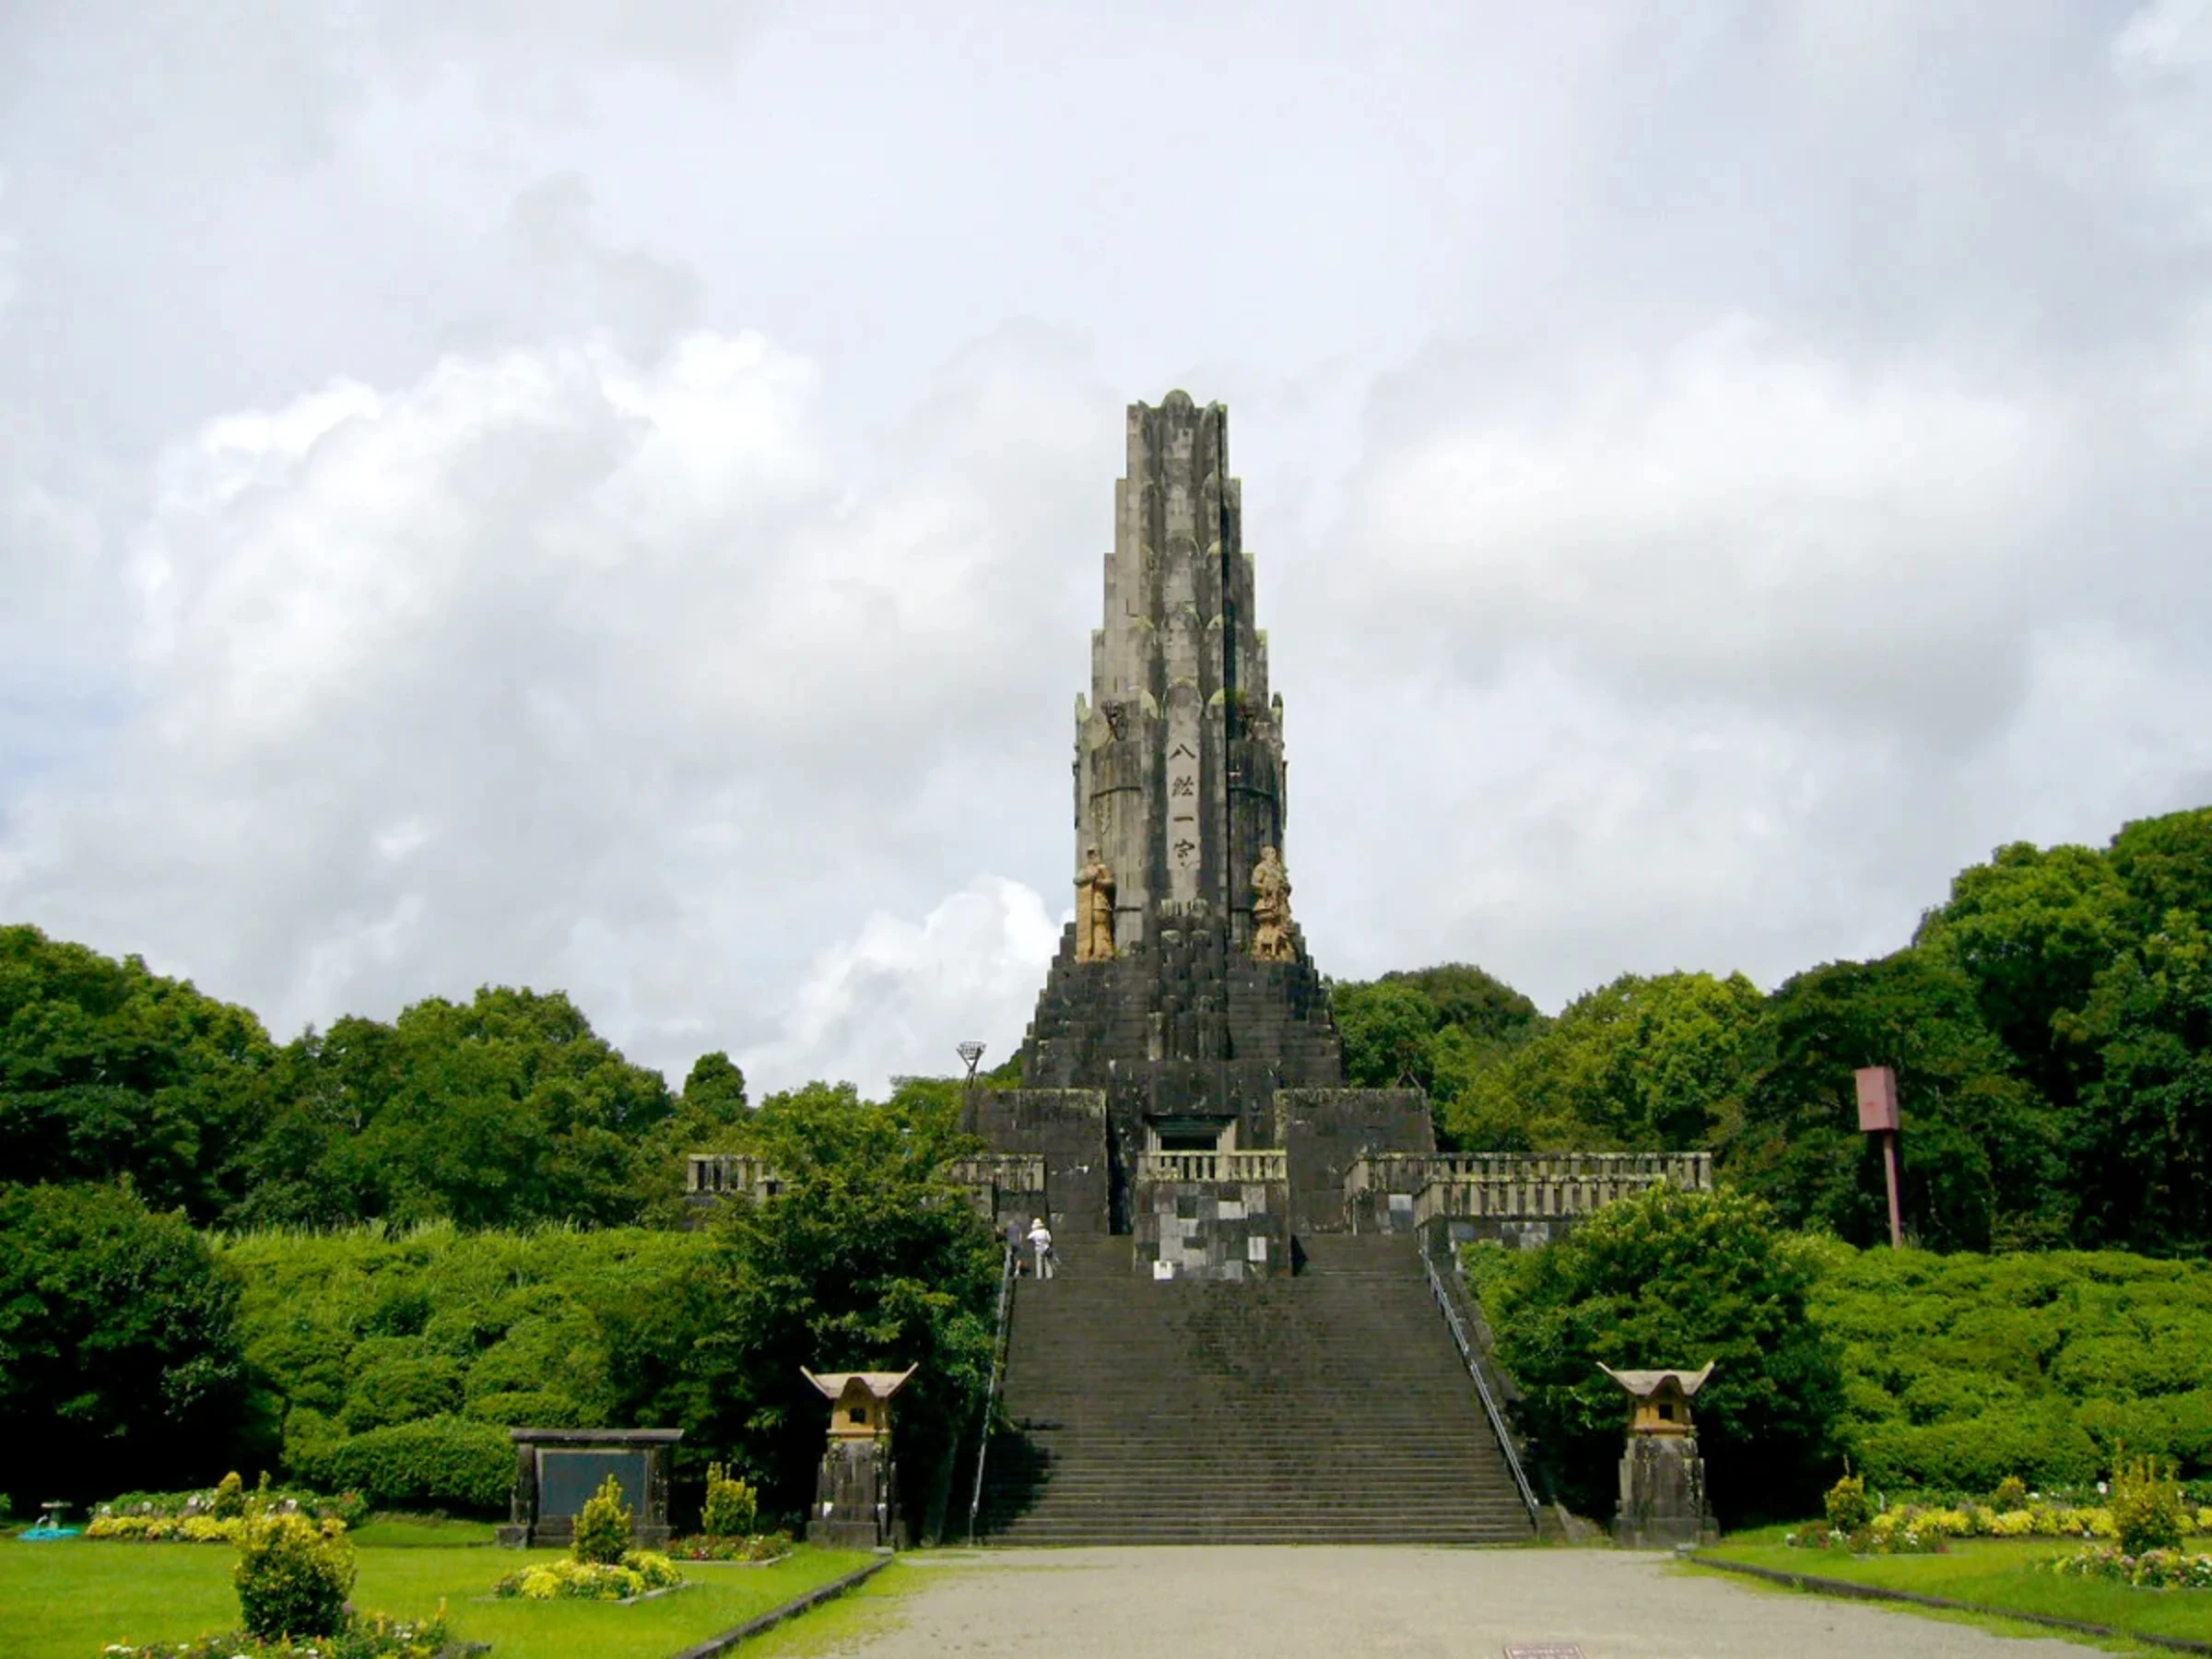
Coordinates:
[1229,1602]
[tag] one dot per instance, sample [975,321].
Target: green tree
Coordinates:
[1386,1027]
[1979,1147]
[2029,932]
[506,1110]
[714,1093]
[2140,1148]
[110,1071]
[1642,1063]
[1433,1029]
[2166,864]
[1481,1004]
[867,1260]
[1671,1280]
[120,1364]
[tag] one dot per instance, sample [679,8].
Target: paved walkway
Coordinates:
[1324,1603]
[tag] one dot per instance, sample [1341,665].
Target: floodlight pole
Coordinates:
[1879,1116]
[969,1052]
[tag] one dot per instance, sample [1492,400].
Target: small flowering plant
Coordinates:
[757,1547]
[365,1636]
[2152,1570]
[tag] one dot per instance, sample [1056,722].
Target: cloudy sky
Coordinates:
[612,498]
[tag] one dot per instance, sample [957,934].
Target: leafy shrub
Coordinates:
[1670,1278]
[731,1508]
[292,1576]
[401,1387]
[603,1525]
[230,1500]
[635,1574]
[1849,1507]
[531,1409]
[2147,1507]
[2011,1494]
[439,1462]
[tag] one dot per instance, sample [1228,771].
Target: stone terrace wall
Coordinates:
[1067,1127]
[1211,1229]
[1328,1132]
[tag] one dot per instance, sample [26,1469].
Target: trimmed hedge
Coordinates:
[354,1333]
[443,1463]
[1961,1369]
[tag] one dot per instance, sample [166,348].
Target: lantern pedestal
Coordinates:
[855,1493]
[1662,1476]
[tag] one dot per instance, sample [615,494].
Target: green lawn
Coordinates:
[418,1532]
[1997,1574]
[60,1600]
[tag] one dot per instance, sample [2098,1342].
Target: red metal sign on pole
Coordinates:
[1879,1116]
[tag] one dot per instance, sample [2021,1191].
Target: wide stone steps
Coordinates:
[1330,1406]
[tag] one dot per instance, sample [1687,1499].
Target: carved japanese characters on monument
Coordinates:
[1094,910]
[1271,910]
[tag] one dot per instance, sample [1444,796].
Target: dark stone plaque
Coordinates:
[566,1478]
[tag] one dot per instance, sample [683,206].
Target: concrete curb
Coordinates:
[716,1645]
[1876,1592]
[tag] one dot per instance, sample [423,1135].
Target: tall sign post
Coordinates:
[1879,1116]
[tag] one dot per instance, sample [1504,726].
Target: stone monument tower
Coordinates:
[1183,1014]
[1179,747]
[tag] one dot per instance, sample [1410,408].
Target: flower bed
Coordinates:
[759,1546]
[159,1517]
[1915,1529]
[638,1572]
[366,1636]
[2153,1569]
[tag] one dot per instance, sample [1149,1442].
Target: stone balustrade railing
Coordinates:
[1413,1171]
[1005,1171]
[1524,1200]
[720,1174]
[1260,1165]
[715,1174]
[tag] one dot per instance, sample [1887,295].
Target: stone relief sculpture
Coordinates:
[1094,910]
[1271,910]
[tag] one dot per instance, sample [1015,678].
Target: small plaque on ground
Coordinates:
[1546,1649]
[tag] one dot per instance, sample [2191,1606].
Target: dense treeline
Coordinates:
[506,1112]
[2051,1024]
[136,1352]
[353,1257]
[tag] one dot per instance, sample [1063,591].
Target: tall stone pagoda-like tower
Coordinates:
[1182,1016]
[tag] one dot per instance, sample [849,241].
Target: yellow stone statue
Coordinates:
[1271,910]
[1094,910]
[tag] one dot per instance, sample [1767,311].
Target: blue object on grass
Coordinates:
[50,1526]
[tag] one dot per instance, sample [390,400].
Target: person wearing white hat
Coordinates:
[1040,1240]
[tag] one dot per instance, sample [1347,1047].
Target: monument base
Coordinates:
[1663,1494]
[854,1506]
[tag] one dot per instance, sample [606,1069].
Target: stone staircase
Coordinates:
[1327,1407]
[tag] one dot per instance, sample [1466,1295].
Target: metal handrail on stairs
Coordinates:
[998,1363]
[1482,1386]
